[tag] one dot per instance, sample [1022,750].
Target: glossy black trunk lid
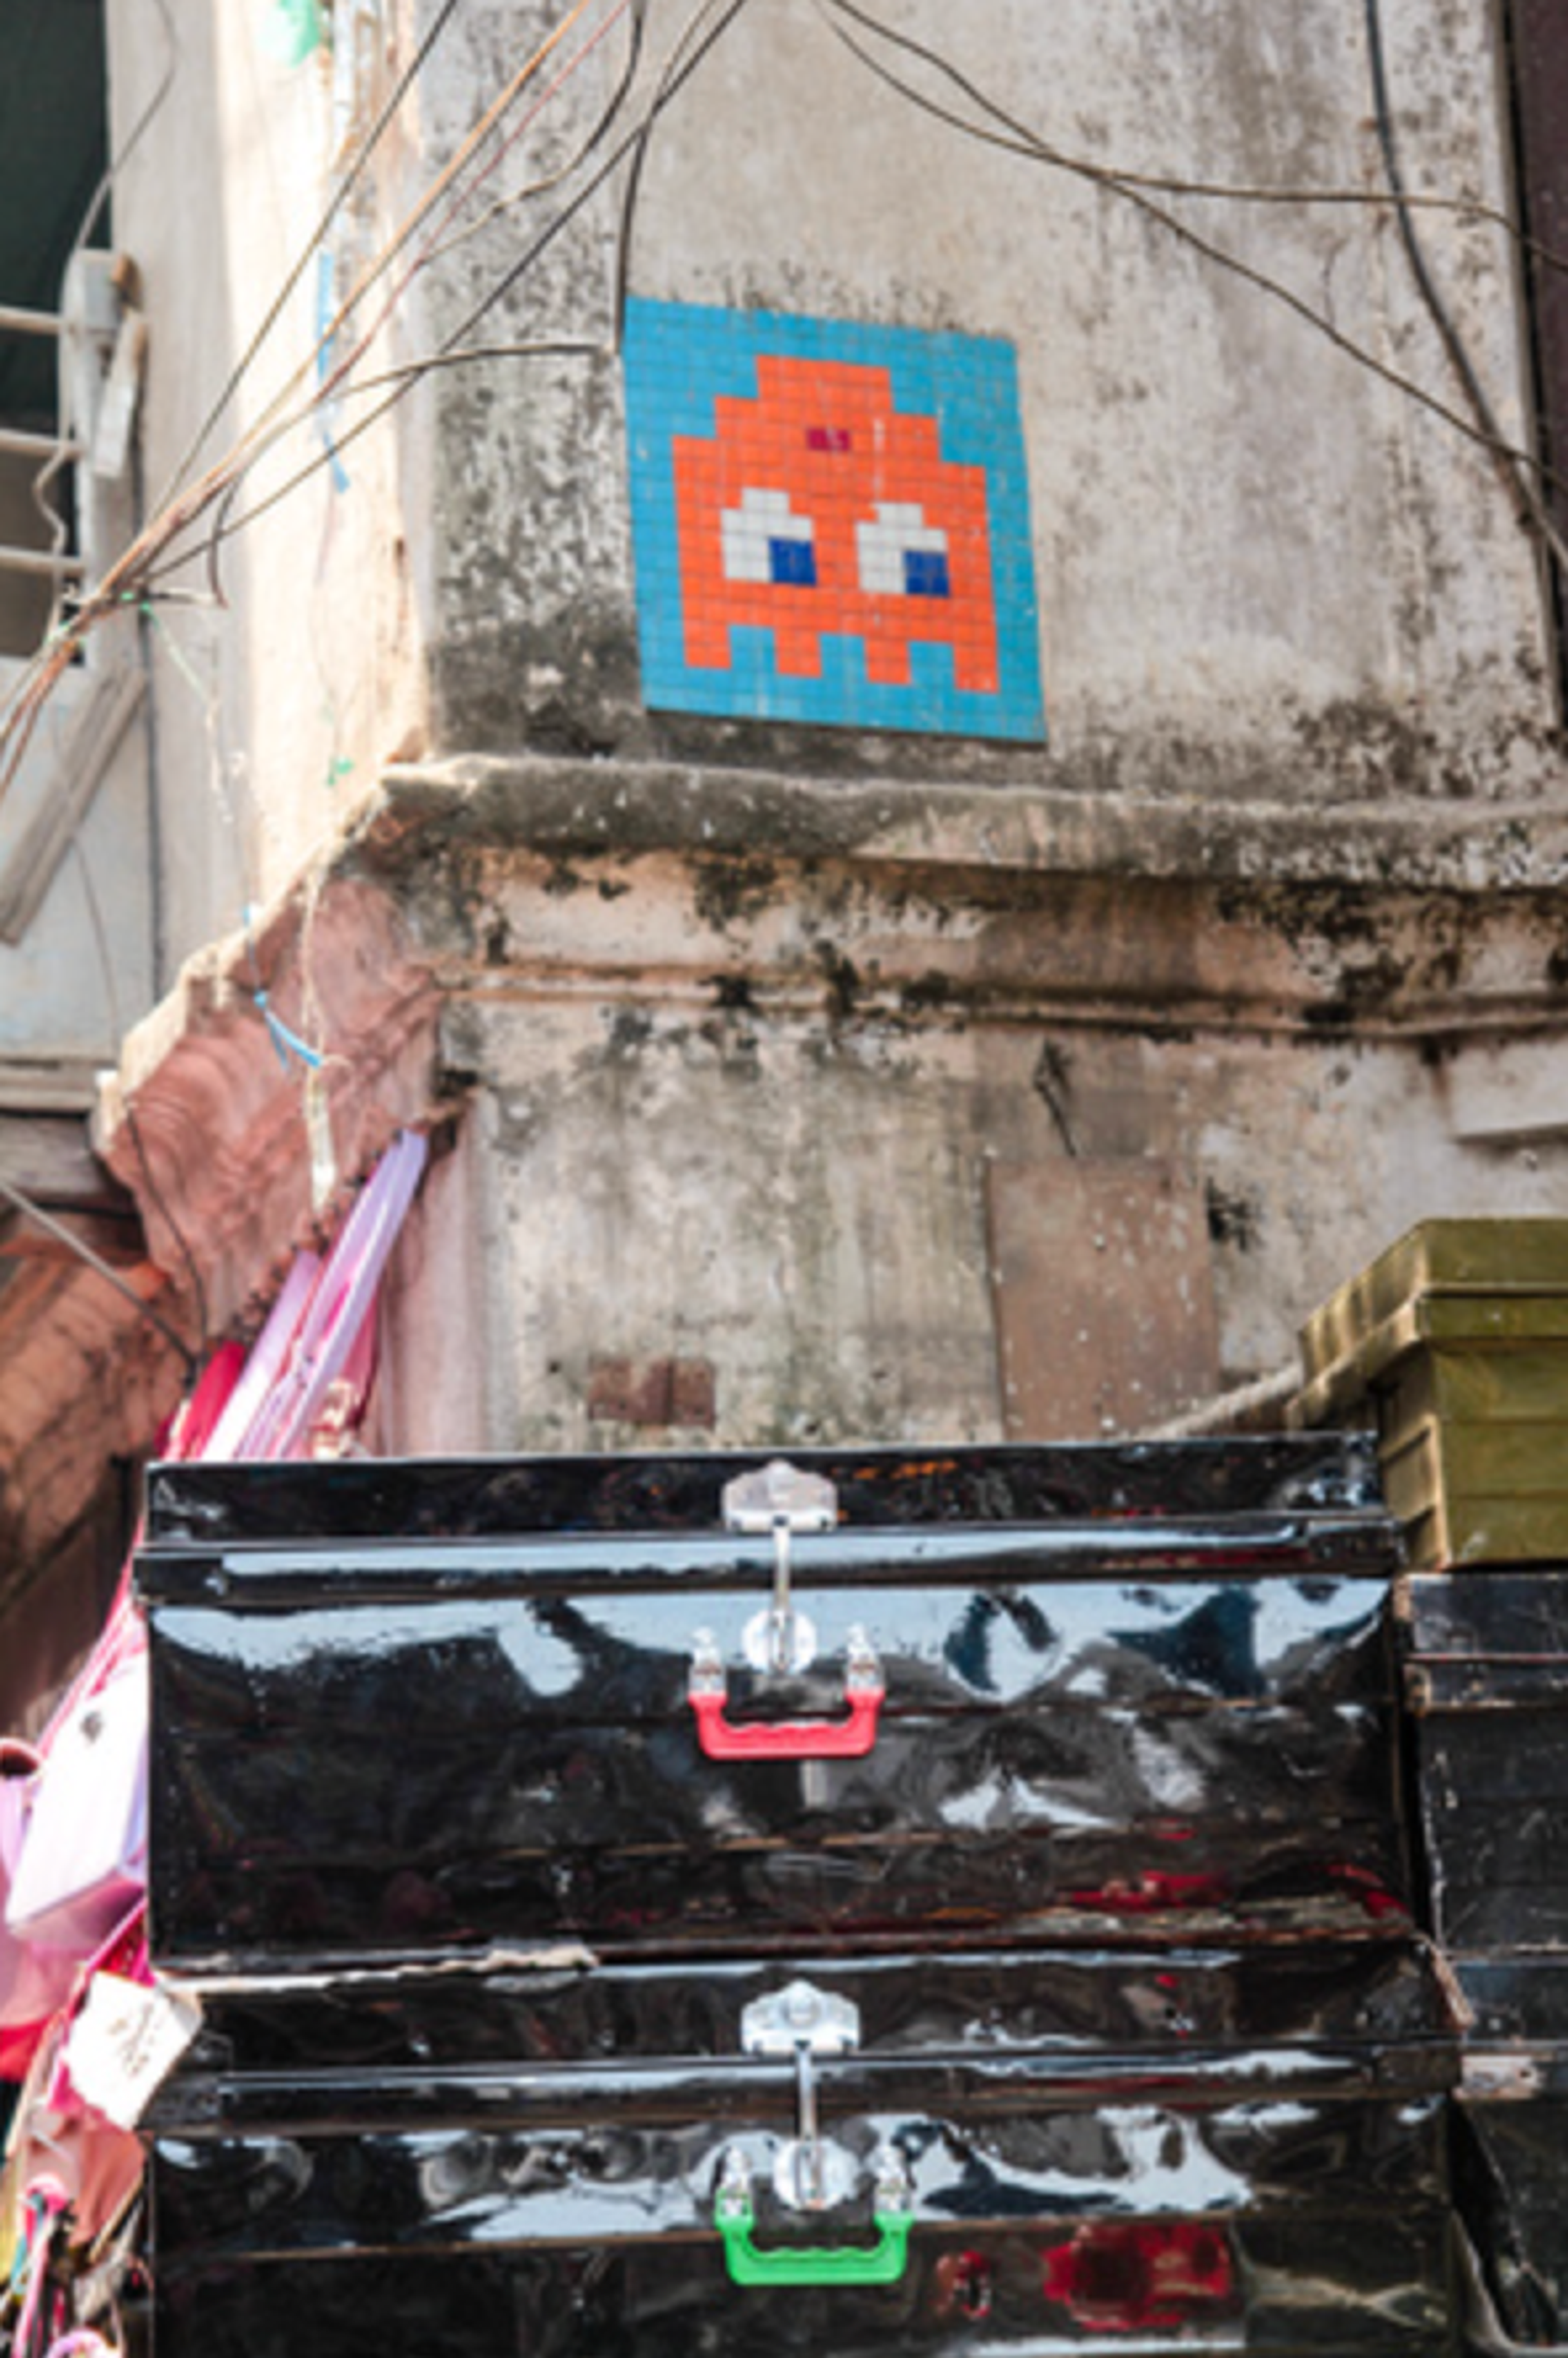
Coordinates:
[368,1747]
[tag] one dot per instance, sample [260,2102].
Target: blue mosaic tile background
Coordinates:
[680,360]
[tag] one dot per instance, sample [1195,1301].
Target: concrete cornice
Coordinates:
[584,808]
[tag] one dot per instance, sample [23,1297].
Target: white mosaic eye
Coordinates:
[902,555]
[764,540]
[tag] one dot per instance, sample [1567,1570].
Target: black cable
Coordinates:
[450,351]
[574,163]
[260,435]
[1023,142]
[571,348]
[1244,192]
[671,83]
[1529,506]
[633,189]
[268,440]
[137,131]
[62,1235]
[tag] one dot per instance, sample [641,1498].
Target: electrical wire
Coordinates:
[1295,195]
[162,554]
[543,186]
[634,176]
[342,365]
[354,171]
[386,254]
[1467,210]
[173,55]
[678,70]
[65,640]
[454,346]
[127,577]
[95,1261]
[1021,140]
[540,347]
[1532,510]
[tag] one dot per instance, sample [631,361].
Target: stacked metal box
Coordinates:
[882,1902]
[1455,1343]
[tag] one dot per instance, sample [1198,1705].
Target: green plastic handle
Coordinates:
[882,2263]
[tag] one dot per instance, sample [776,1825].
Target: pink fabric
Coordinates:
[31,1985]
[266,1364]
[68,1890]
[32,1982]
[198,1419]
[339,1299]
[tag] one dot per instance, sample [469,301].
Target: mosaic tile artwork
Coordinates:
[831,524]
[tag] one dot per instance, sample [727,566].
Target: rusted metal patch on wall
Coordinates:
[1104,1292]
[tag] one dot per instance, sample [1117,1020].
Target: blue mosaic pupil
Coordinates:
[793,561]
[925,573]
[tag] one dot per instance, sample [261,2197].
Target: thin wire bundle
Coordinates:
[154,551]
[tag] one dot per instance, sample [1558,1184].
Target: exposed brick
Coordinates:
[651,1392]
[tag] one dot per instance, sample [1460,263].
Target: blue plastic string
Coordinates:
[288,1043]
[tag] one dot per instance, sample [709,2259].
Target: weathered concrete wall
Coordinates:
[529,555]
[815,1082]
[286,669]
[1262,568]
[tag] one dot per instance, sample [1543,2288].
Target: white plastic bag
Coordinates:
[83,1856]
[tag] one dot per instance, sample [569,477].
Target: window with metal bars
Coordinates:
[53,152]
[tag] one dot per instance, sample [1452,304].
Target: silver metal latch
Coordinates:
[783,1501]
[806,2023]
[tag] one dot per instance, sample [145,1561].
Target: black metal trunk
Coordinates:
[1487,1682]
[1292,2196]
[368,1746]
[996,1935]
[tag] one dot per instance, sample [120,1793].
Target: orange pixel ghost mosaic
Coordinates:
[817,508]
[830,521]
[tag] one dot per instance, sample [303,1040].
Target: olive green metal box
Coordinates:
[1454,1344]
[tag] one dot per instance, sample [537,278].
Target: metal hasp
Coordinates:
[805,2023]
[782,1500]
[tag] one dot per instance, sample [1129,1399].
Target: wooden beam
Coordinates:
[118,1243]
[51,1159]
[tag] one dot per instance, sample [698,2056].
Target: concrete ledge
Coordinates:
[583,808]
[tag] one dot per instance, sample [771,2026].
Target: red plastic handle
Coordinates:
[787,1739]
